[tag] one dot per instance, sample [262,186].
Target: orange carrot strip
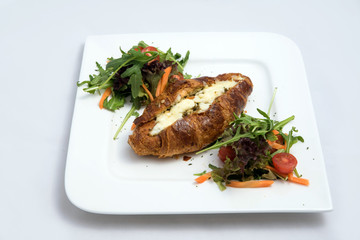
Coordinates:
[276,145]
[203,177]
[164,79]
[104,96]
[290,176]
[158,88]
[148,92]
[275,171]
[302,181]
[250,184]
[133,126]
[177,77]
[276,132]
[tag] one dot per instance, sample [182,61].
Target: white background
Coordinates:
[41,45]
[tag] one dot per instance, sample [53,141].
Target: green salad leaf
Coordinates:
[116,101]
[250,127]
[247,139]
[128,75]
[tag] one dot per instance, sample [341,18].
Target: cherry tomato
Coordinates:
[149,48]
[153,49]
[226,152]
[280,139]
[284,162]
[137,49]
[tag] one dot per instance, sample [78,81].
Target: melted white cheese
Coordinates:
[201,101]
[205,97]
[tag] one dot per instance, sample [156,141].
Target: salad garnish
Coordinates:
[140,74]
[254,152]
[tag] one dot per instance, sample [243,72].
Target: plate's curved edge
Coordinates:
[85,207]
[295,46]
[68,182]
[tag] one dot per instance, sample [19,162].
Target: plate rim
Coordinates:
[95,209]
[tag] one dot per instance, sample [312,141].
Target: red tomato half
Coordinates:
[153,49]
[280,139]
[226,152]
[284,162]
[137,49]
[149,48]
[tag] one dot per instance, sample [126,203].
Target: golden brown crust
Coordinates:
[192,132]
[164,101]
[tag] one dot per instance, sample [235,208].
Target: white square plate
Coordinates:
[105,176]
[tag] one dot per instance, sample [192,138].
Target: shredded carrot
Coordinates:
[290,177]
[276,145]
[148,92]
[191,97]
[250,184]
[158,88]
[302,181]
[203,177]
[133,126]
[165,78]
[163,81]
[104,96]
[276,171]
[176,77]
[276,132]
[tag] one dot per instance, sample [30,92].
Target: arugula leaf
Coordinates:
[250,127]
[83,82]
[96,79]
[290,139]
[220,185]
[116,101]
[132,62]
[184,61]
[249,163]
[263,113]
[246,127]
[116,63]
[200,174]
[272,101]
[213,167]
[125,76]
[187,76]
[248,138]
[279,125]
[297,173]
[153,80]
[132,112]
[131,55]
[134,58]
[276,152]
[134,72]
[174,58]
[218,179]
[271,136]
[104,79]
[136,103]
[142,44]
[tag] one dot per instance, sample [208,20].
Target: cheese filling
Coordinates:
[198,103]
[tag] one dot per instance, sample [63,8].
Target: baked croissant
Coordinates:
[190,114]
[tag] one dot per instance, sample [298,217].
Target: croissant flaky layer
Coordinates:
[193,131]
